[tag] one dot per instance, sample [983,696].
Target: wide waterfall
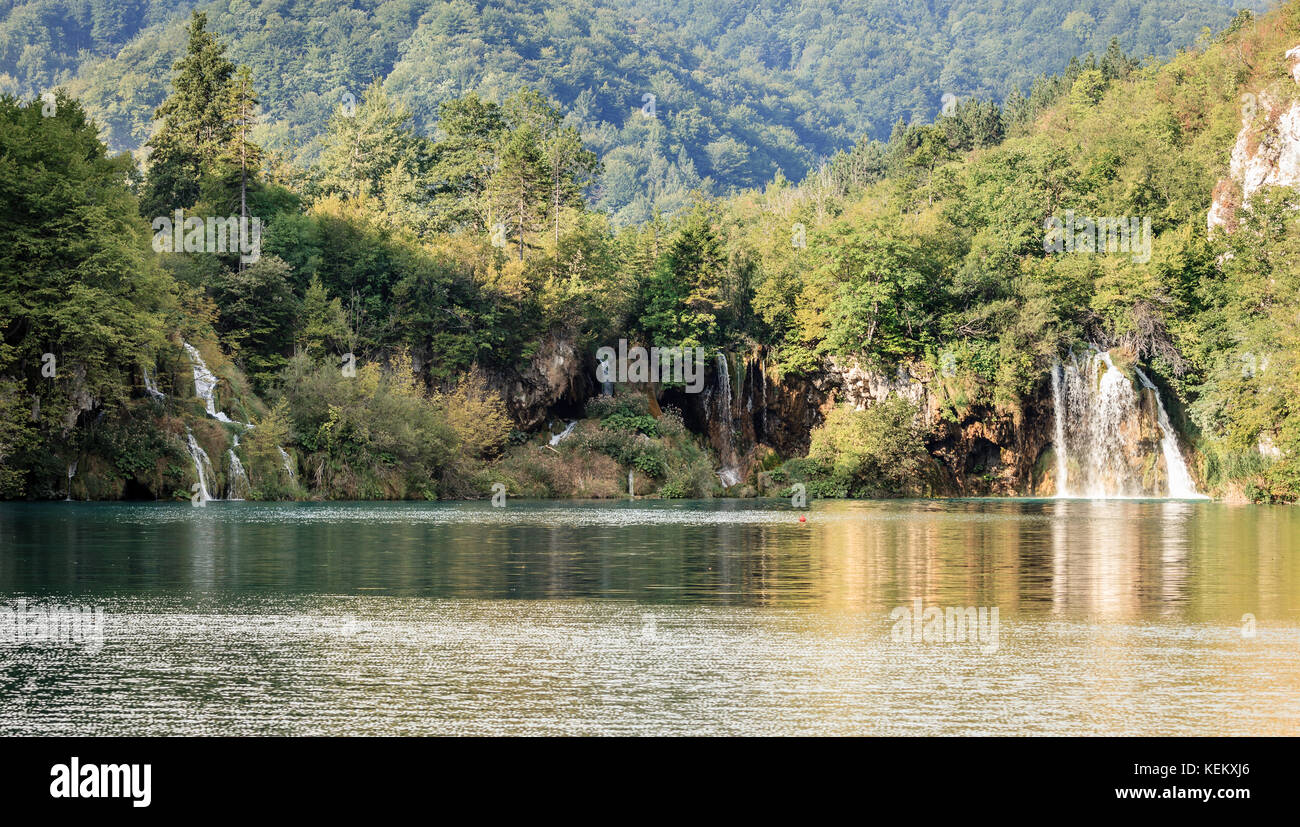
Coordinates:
[204,383]
[202,465]
[1107,432]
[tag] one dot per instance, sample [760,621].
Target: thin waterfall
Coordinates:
[288,463]
[1058,403]
[205,382]
[556,439]
[1104,441]
[729,474]
[239,485]
[150,386]
[72,472]
[1181,485]
[202,466]
[631,491]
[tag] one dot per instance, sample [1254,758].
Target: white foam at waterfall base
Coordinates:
[202,465]
[205,382]
[1097,421]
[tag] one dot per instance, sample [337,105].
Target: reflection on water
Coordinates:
[710,617]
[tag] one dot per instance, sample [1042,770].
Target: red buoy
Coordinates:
[803,519]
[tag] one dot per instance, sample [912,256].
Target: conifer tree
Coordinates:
[195,127]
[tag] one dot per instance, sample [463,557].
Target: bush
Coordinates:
[644,424]
[374,435]
[876,452]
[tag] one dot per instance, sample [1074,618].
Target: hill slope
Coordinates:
[741,90]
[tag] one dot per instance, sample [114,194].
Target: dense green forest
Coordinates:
[674,97]
[411,272]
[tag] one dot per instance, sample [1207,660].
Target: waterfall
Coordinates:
[1181,485]
[1058,404]
[238,479]
[239,485]
[557,438]
[631,492]
[729,474]
[202,465]
[288,463]
[72,472]
[204,383]
[762,379]
[150,386]
[1103,440]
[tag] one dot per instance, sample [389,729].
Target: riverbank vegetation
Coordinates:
[415,280]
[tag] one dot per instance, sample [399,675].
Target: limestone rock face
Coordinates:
[863,388]
[1267,152]
[553,374]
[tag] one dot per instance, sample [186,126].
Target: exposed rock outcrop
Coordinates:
[1267,152]
[553,376]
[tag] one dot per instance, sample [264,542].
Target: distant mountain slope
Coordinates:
[741,89]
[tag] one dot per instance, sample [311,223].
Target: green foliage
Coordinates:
[197,123]
[633,424]
[367,436]
[875,452]
[924,250]
[80,302]
[742,91]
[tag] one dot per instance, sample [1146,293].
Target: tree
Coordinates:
[463,160]
[682,302]
[195,128]
[241,108]
[81,304]
[517,192]
[324,325]
[374,154]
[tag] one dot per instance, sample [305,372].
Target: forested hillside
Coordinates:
[675,97]
[419,312]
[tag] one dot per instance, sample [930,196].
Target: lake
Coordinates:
[651,617]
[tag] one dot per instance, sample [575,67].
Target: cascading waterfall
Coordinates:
[556,439]
[729,474]
[72,472]
[288,463]
[631,491]
[151,387]
[1058,402]
[239,485]
[1103,440]
[202,465]
[1181,485]
[204,383]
